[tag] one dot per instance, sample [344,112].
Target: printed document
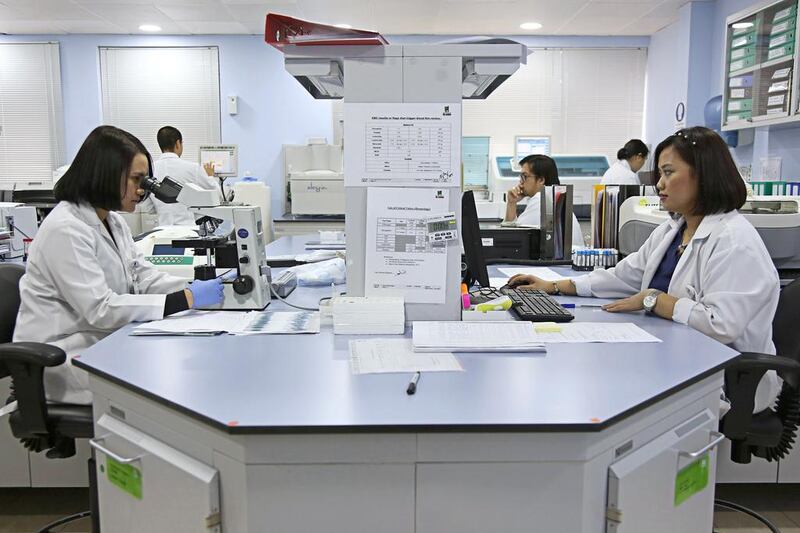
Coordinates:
[476,337]
[232,322]
[593,332]
[405,144]
[400,260]
[396,355]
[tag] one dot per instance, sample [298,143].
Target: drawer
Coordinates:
[783,39]
[784,25]
[781,51]
[742,104]
[743,40]
[743,52]
[739,64]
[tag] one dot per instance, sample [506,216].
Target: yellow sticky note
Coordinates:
[546,327]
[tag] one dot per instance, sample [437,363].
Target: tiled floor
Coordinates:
[25,510]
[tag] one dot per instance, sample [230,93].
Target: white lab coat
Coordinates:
[79,286]
[169,164]
[532,217]
[726,284]
[620,173]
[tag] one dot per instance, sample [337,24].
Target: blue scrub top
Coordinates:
[668,263]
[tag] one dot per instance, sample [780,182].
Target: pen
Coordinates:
[412,386]
[573,306]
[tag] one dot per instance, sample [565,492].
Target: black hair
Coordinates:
[168,137]
[542,167]
[102,162]
[632,148]
[720,187]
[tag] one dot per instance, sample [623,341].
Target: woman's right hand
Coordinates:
[526,281]
[515,194]
[205,293]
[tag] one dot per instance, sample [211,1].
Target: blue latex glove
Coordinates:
[206,293]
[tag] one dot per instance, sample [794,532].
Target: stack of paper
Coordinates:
[476,337]
[353,315]
[232,322]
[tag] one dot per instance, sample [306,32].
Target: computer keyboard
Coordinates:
[536,306]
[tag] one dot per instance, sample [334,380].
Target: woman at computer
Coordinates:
[536,173]
[84,278]
[705,267]
[630,160]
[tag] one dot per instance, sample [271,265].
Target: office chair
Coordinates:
[39,425]
[770,433]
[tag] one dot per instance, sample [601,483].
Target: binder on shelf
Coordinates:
[606,201]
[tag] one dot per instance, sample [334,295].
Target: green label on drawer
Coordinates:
[691,480]
[126,477]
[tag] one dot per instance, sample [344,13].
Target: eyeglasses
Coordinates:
[523,176]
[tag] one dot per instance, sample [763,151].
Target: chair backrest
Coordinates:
[785,330]
[10,274]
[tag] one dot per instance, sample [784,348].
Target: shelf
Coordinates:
[767,64]
[782,123]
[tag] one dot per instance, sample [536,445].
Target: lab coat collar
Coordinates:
[168,155]
[88,214]
[624,163]
[710,223]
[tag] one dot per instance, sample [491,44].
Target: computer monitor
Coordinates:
[471,239]
[475,160]
[224,157]
[525,145]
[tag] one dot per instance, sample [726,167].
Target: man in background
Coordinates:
[170,164]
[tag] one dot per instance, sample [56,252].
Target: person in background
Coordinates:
[631,158]
[536,173]
[84,278]
[705,267]
[170,164]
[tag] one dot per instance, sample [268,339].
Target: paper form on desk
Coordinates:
[400,259]
[595,332]
[194,322]
[475,337]
[379,356]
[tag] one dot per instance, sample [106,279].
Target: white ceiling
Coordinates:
[458,17]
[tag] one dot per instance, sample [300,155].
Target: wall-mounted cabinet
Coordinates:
[761,67]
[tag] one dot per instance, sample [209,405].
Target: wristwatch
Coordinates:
[649,302]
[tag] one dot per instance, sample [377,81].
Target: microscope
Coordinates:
[242,249]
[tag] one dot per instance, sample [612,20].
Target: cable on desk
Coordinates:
[275,294]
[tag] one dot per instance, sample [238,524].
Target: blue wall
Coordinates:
[273,108]
[667,77]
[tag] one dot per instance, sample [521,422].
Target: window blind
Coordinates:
[589,101]
[31,114]
[144,89]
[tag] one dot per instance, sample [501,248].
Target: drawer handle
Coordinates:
[95,443]
[718,437]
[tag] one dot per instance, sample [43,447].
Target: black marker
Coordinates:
[412,386]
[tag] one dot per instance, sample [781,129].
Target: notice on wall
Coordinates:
[400,258]
[415,145]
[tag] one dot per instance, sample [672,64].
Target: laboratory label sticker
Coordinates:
[402,144]
[126,477]
[442,228]
[691,480]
